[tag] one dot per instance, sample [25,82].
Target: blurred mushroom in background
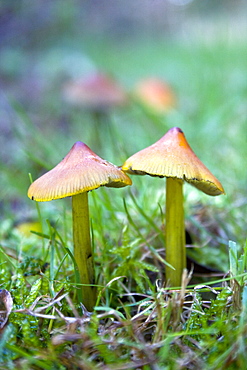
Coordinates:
[96,92]
[155,94]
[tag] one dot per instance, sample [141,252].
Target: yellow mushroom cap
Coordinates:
[171,156]
[80,171]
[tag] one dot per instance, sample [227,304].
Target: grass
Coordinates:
[137,323]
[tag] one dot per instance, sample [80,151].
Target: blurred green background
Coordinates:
[198,47]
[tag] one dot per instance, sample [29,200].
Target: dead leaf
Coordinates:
[6,305]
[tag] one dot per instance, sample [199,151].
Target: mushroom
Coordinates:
[155,94]
[173,158]
[79,172]
[97,92]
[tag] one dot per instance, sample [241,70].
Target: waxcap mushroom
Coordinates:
[81,170]
[172,156]
[156,94]
[96,91]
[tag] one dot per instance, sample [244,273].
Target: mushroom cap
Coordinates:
[171,156]
[156,94]
[80,171]
[97,91]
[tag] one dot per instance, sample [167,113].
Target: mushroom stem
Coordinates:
[175,231]
[83,250]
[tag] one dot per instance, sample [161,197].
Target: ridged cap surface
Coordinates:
[81,170]
[171,156]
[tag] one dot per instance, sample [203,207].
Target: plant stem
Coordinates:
[175,231]
[83,250]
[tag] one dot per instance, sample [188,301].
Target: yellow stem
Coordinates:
[83,250]
[175,231]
